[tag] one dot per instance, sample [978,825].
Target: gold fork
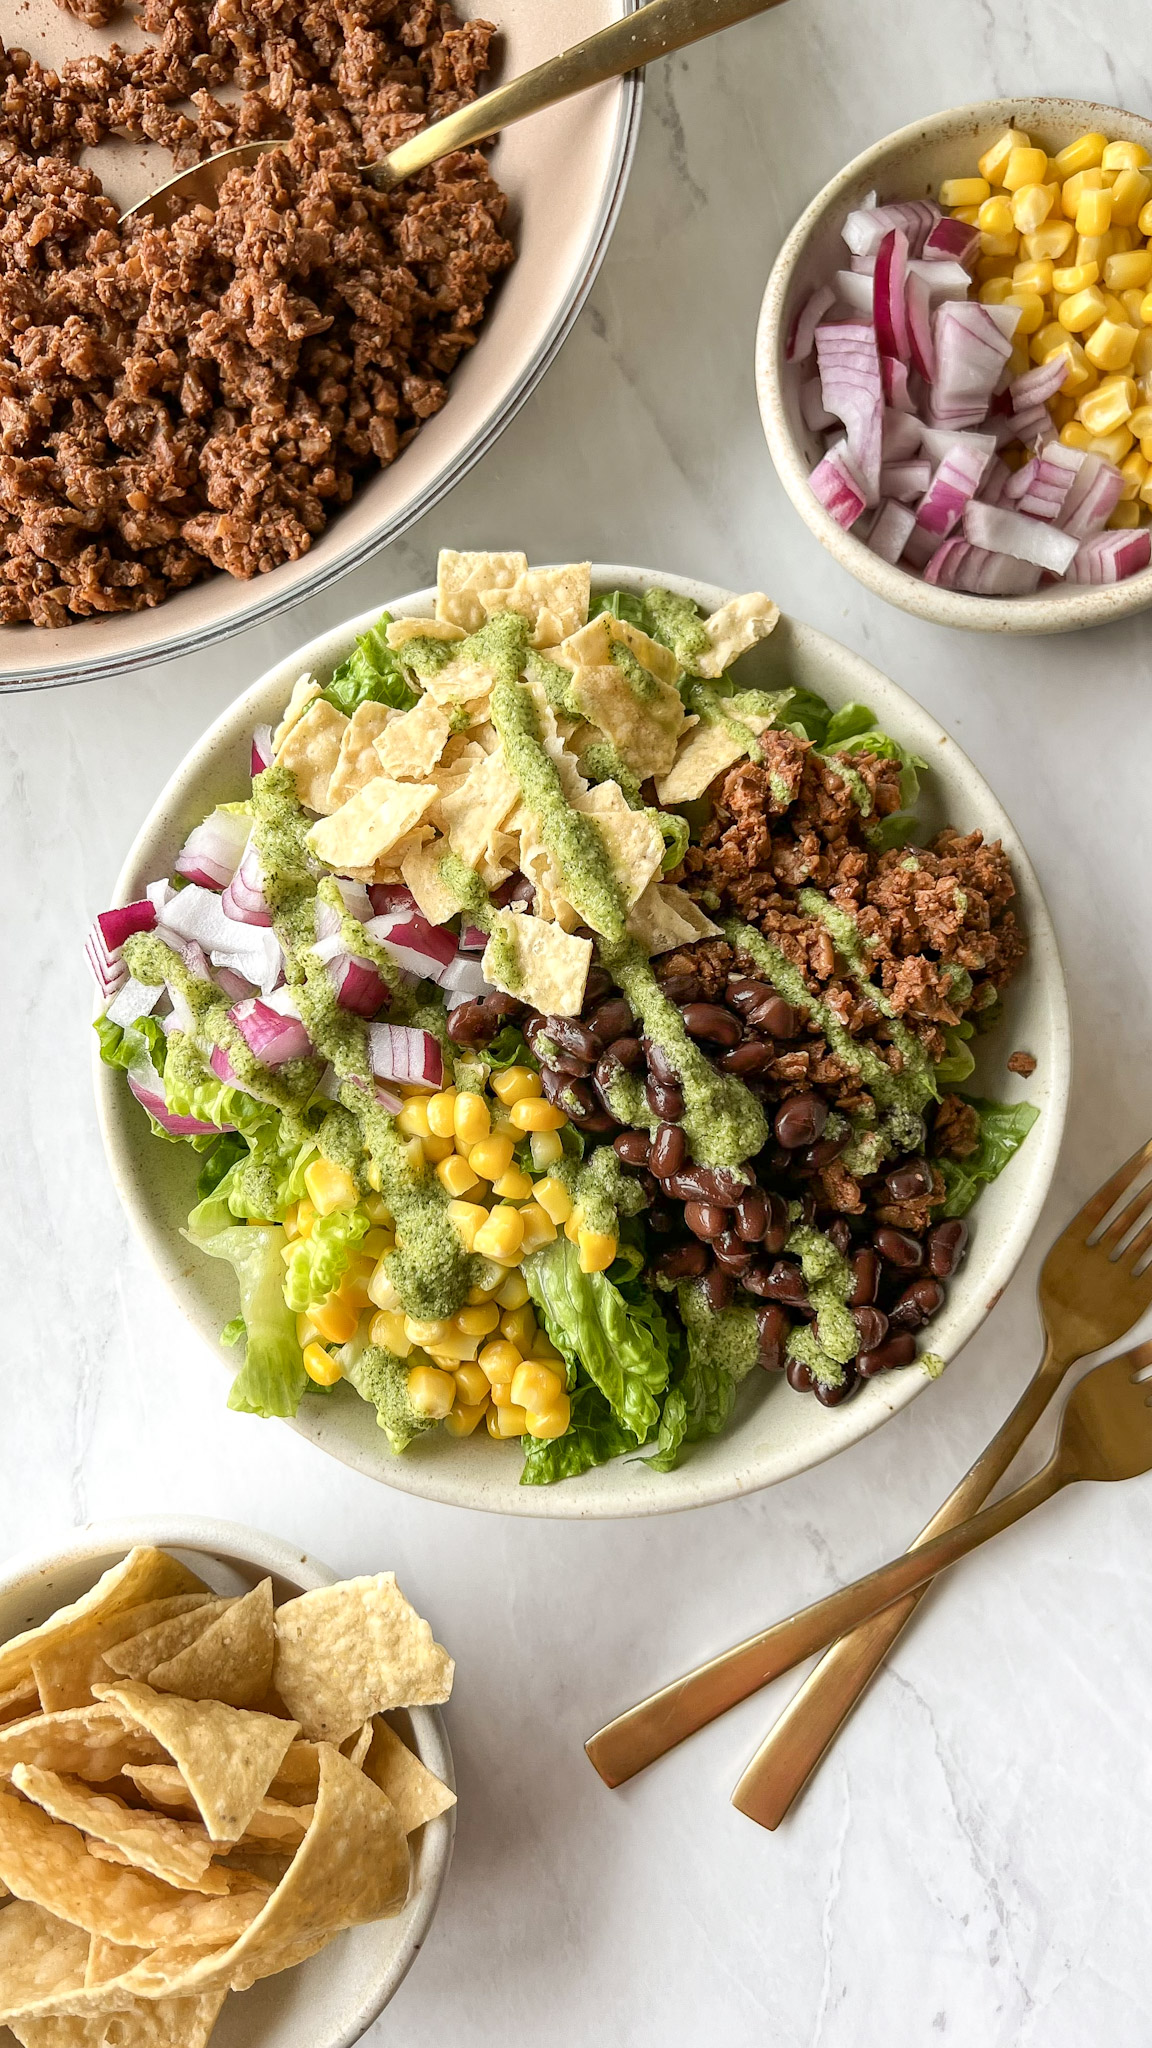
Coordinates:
[1090,1296]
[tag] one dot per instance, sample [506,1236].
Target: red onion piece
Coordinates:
[271,1035]
[472,939]
[905,480]
[895,379]
[176,1126]
[956,481]
[836,486]
[261,750]
[1093,498]
[421,948]
[970,355]
[1037,386]
[355,898]
[865,229]
[942,566]
[893,525]
[951,241]
[900,436]
[386,897]
[854,290]
[133,1001]
[1011,533]
[812,409]
[467,975]
[889,309]
[918,307]
[360,986]
[211,853]
[196,913]
[114,926]
[941,280]
[1040,488]
[401,1052]
[852,389]
[802,338]
[987,574]
[920,546]
[1112,557]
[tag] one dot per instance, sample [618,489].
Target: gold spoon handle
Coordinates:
[626,45]
[659,1723]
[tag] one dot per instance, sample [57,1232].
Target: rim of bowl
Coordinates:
[1057,611]
[238,1541]
[680,1489]
[262,609]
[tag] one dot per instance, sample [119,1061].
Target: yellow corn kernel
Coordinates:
[995,216]
[1085,154]
[1094,249]
[1031,205]
[1032,310]
[1133,304]
[498,1361]
[387,1331]
[513,1186]
[426,1330]
[1124,240]
[353,1292]
[412,1120]
[372,1176]
[335,1321]
[290,1226]
[456,1176]
[377,1242]
[471,1120]
[331,1187]
[1123,381]
[1033,277]
[545,1352]
[491,1157]
[1082,310]
[1062,409]
[1049,337]
[461,1421]
[1134,470]
[536,1386]
[574,1224]
[479,1320]
[553,1422]
[1141,422]
[454,1350]
[381,1290]
[320,1367]
[501,1235]
[512,1291]
[1094,213]
[1050,242]
[968,214]
[1129,196]
[1124,156]
[1024,167]
[1074,188]
[534,1114]
[430,1391]
[468,1218]
[1146,486]
[505,1422]
[1019,362]
[554,1198]
[379,1212]
[546,1148]
[306,1331]
[1145,315]
[1114,446]
[597,1251]
[514,1084]
[519,1326]
[1126,513]
[1000,245]
[1110,344]
[1079,376]
[1104,409]
[1076,278]
[442,1113]
[437,1149]
[995,158]
[1075,436]
[1115,309]
[539,1229]
[995,290]
[1132,269]
[471,1385]
[500,1394]
[964,191]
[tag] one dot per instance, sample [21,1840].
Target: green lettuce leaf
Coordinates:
[809,715]
[190,1086]
[618,1335]
[622,605]
[593,1437]
[218,1163]
[507,1049]
[381,1379]
[719,1353]
[1003,1129]
[881,743]
[318,1262]
[371,674]
[957,1062]
[846,723]
[272,1377]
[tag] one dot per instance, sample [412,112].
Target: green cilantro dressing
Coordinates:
[851,944]
[727,1341]
[828,1278]
[861,794]
[676,621]
[573,840]
[712,709]
[642,683]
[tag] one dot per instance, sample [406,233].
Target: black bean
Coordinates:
[912,1178]
[771,1336]
[753,1216]
[662,1217]
[665,1100]
[600,1123]
[681,988]
[669,1151]
[568,1094]
[758,1278]
[840,1235]
[918,1304]
[798,1376]
[871,1327]
[648,1182]
[947,1244]
[800,1120]
[779,1224]
[632,1147]
[597,986]
[517,889]
[555,1085]
[744,994]
[569,1035]
[622,1053]
[683,1262]
[831,1396]
[786,1283]
[776,1017]
[612,1019]
[717,1287]
[824,1152]
[898,1247]
[626,1052]
[659,1065]
[708,1184]
[468,1024]
[865,1277]
[547,1047]
[895,1351]
[732,1252]
[705,1219]
[716,1026]
[752,1058]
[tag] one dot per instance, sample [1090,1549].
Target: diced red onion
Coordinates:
[954,484]
[987,574]
[211,853]
[244,898]
[153,1101]
[196,913]
[941,566]
[356,899]
[402,1052]
[386,897]
[234,985]
[920,546]
[996,479]
[865,229]
[889,309]
[905,480]
[851,386]
[862,266]
[1040,488]
[900,436]
[1111,557]
[421,948]
[854,290]
[270,1034]
[812,408]
[895,379]
[802,338]
[1093,498]
[919,313]
[104,946]
[838,490]
[1012,533]
[261,750]
[951,241]
[890,531]
[465,974]
[970,354]
[135,1000]
[472,939]
[1036,387]
[359,984]
[941,280]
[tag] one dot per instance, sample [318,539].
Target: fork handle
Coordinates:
[813,1718]
[626,45]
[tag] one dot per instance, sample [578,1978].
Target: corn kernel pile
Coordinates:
[489,1362]
[1067,240]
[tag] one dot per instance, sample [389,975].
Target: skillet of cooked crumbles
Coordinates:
[205,396]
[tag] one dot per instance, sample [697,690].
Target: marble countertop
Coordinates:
[971,1863]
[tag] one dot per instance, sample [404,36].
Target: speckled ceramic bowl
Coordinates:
[910,165]
[329,2001]
[774,1432]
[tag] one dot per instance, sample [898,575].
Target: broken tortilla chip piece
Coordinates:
[416,1792]
[398,632]
[358,763]
[409,747]
[108,1960]
[145,1574]
[275,1822]
[461,577]
[227,1756]
[634,841]
[305,691]
[177,1854]
[473,813]
[41,1957]
[704,754]
[66,1674]
[666,916]
[311,751]
[420,872]
[231,1661]
[549,966]
[94,1742]
[736,627]
[20,1700]
[554,601]
[136,1655]
[346,1652]
[136,2023]
[368,826]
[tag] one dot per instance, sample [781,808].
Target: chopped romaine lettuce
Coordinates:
[720,1352]
[593,1437]
[371,674]
[618,1335]
[1003,1129]
[318,1261]
[622,605]
[272,1377]
[190,1087]
[957,1062]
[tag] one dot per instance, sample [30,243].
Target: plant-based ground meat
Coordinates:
[205,395]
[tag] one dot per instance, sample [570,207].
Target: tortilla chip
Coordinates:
[399,631]
[346,1652]
[703,755]
[145,1574]
[416,1792]
[41,1957]
[65,1675]
[136,2023]
[108,1960]
[461,577]
[665,917]
[736,627]
[473,813]
[410,746]
[228,1756]
[358,762]
[312,750]
[305,691]
[94,1742]
[231,1661]
[20,1701]
[136,1655]
[276,1821]
[464,683]
[420,871]
[356,1747]
[554,601]
[179,1855]
[48,1863]
[368,826]
[298,1778]
[552,971]
[634,841]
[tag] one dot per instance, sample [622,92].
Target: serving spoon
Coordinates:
[652,31]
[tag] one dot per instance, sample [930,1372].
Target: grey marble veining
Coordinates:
[970,1866]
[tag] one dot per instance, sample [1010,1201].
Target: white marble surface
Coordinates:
[971,1864]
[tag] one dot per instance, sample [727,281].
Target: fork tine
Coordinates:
[1134,1252]
[1097,1206]
[1127,1220]
[1139,1357]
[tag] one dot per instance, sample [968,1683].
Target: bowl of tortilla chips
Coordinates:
[226,1795]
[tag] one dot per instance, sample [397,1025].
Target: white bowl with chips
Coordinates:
[774,1433]
[330,2000]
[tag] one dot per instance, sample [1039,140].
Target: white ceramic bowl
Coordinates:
[564,171]
[329,2001]
[774,1432]
[910,165]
